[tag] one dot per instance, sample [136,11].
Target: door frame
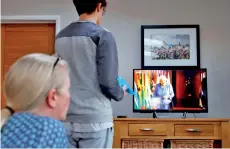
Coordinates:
[19,19]
[33,19]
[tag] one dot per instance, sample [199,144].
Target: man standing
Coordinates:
[91,53]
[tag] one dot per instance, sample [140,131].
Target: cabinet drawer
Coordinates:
[194,130]
[147,130]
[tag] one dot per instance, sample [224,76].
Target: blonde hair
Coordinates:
[29,80]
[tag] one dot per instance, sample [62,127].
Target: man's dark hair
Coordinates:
[88,6]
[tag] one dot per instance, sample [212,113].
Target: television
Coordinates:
[170,90]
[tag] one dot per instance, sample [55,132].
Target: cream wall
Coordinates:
[124,18]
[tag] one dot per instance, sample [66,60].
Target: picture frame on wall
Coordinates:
[170,46]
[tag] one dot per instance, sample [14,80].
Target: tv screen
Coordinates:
[170,90]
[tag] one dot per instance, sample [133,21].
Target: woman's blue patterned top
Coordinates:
[26,130]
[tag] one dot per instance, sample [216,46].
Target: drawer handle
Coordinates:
[146,129]
[193,130]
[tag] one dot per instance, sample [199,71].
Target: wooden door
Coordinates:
[21,39]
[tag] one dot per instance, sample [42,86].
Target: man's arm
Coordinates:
[107,67]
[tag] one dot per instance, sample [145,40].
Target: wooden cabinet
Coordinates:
[174,133]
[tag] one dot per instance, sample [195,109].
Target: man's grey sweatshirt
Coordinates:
[91,54]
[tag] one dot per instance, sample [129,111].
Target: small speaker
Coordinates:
[121,116]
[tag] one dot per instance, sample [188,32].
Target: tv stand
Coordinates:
[154,115]
[185,114]
[171,133]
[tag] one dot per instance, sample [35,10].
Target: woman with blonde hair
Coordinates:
[36,88]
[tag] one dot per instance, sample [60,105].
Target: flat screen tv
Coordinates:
[170,91]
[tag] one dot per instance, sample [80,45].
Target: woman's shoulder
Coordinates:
[32,120]
[28,130]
